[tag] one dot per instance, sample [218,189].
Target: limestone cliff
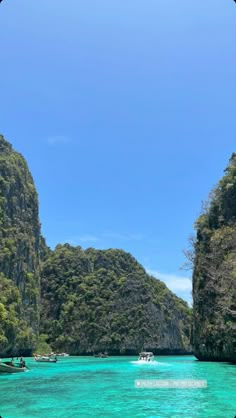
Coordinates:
[19,235]
[104,300]
[214,277]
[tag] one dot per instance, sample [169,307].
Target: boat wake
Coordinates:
[147,363]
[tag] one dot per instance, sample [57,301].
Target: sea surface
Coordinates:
[94,387]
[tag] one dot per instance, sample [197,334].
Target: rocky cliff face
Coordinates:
[19,233]
[104,300]
[214,278]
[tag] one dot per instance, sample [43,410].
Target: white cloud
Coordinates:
[125,237]
[58,139]
[90,238]
[180,285]
[82,238]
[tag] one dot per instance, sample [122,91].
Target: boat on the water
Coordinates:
[146,356]
[9,367]
[45,359]
[62,355]
[101,355]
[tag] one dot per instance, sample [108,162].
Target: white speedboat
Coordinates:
[45,359]
[63,355]
[145,356]
[58,354]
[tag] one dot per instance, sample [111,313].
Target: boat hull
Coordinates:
[5,368]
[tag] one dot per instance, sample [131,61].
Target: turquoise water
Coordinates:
[93,387]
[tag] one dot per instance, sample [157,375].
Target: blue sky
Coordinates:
[125,112]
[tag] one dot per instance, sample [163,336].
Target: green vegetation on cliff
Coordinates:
[16,337]
[103,300]
[214,277]
[19,244]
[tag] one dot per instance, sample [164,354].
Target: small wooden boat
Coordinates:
[8,367]
[45,359]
